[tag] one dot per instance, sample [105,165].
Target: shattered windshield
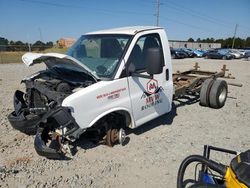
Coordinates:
[100,53]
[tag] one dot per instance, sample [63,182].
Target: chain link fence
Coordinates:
[13,53]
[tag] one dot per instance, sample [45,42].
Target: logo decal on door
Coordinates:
[152,86]
[152,94]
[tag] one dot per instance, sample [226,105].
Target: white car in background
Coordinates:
[235,53]
[242,52]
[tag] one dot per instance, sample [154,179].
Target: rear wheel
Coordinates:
[218,94]
[224,57]
[205,90]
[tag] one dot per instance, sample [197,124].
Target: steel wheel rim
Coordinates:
[223,95]
[122,136]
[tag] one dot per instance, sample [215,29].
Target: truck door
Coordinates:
[150,98]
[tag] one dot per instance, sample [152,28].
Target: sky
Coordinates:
[49,20]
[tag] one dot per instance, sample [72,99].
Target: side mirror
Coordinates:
[154,61]
[131,68]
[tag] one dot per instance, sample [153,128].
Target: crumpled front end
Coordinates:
[39,111]
[54,127]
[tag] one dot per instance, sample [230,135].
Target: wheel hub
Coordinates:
[113,136]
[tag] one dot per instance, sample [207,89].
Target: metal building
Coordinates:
[193,45]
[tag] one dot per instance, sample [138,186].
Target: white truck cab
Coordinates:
[140,98]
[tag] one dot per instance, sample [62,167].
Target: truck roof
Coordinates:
[125,30]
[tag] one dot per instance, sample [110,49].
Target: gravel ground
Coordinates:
[154,152]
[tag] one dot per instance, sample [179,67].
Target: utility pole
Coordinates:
[40,33]
[157,12]
[29,47]
[235,30]
[29,42]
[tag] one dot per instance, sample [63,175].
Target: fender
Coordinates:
[91,103]
[114,110]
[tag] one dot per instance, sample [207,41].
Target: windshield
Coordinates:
[100,53]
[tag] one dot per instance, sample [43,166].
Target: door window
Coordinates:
[138,53]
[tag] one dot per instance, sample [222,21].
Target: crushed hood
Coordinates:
[31,58]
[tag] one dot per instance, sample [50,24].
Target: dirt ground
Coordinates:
[154,151]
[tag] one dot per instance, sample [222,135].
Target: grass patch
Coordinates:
[10,57]
[16,57]
[55,50]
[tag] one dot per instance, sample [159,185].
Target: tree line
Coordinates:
[6,45]
[226,43]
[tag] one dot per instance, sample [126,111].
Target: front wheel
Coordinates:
[115,136]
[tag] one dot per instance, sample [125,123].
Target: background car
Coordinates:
[247,55]
[235,53]
[242,52]
[216,54]
[189,52]
[199,53]
[175,54]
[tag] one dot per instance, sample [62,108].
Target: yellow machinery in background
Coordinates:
[216,175]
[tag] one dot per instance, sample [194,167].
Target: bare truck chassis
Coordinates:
[199,81]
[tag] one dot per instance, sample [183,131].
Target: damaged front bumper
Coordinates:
[21,119]
[58,146]
[26,124]
[57,149]
[53,151]
[54,128]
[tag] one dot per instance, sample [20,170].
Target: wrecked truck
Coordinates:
[107,81]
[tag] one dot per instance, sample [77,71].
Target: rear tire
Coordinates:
[205,90]
[218,94]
